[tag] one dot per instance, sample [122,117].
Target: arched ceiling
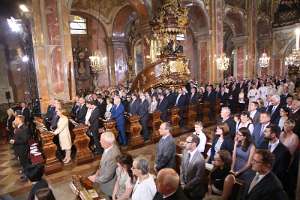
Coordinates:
[198,21]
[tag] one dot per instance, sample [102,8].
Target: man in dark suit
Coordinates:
[101,104]
[181,103]
[143,112]
[254,113]
[134,105]
[26,113]
[223,96]
[210,96]
[295,115]
[192,170]
[171,97]
[194,96]
[92,120]
[117,113]
[281,152]
[168,186]
[20,142]
[163,107]
[226,118]
[35,173]
[75,106]
[284,96]
[274,110]
[265,185]
[258,131]
[166,148]
[51,112]
[81,111]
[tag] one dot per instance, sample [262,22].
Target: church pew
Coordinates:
[110,125]
[81,142]
[154,124]
[191,115]
[175,121]
[134,128]
[52,164]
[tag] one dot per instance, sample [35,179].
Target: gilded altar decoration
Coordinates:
[168,64]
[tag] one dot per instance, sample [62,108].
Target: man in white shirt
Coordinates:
[201,135]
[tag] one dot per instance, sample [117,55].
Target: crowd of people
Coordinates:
[256,142]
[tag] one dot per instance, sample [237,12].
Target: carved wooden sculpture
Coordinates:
[175,121]
[191,115]
[134,128]
[110,125]
[155,123]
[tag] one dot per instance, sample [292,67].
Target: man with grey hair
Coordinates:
[105,177]
[168,186]
[166,148]
[226,118]
[274,109]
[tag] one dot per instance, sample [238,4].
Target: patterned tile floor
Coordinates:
[11,184]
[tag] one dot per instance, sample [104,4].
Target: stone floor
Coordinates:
[11,185]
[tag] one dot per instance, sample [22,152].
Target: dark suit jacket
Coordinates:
[194,99]
[269,188]
[256,117]
[211,97]
[231,124]
[134,107]
[165,153]
[81,113]
[178,195]
[143,111]
[26,114]
[75,107]
[163,108]
[38,185]
[94,121]
[102,108]
[21,138]
[50,113]
[226,145]
[283,98]
[171,99]
[192,175]
[275,116]
[257,137]
[117,113]
[182,101]
[282,161]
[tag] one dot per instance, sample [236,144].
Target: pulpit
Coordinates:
[52,164]
[175,121]
[134,128]
[81,142]
[155,122]
[110,125]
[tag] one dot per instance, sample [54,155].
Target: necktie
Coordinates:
[269,147]
[253,183]
[177,99]
[262,130]
[273,109]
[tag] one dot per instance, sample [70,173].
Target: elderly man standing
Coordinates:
[105,176]
[168,186]
[166,148]
[274,110]
[192,169]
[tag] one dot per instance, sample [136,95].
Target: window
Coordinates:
[77,25]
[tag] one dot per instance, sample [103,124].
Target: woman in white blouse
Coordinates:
[245,122]
[144,188]
[153,104]
[284,115]
[253,94]
[64,135]
[108,108]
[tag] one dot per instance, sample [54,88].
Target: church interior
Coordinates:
[79,78]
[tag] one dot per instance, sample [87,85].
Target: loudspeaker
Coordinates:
[7,95]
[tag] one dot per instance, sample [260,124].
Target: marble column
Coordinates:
[251,30]
[52,50]
[240,57]
[111,61]
[4,82]
[203,58]
[216,13]
[120,59]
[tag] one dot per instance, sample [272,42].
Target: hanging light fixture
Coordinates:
[222,62]
[293,59]
[97,60]
[264,60]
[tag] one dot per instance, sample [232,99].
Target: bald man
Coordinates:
[168,186]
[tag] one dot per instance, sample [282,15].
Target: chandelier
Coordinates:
[222,62]
[293,59]
[97,61]
[264,60]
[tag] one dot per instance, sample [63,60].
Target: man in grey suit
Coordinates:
[192,170]
[166,148]
[105,177]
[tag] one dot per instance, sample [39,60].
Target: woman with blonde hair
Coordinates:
[64,135]
[9,122]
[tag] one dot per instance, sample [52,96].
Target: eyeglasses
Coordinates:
[189,141]
[256,161]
